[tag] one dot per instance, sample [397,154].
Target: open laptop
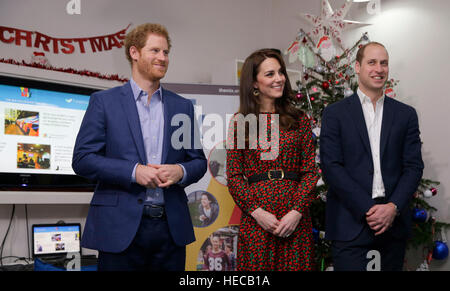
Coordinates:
[53,242]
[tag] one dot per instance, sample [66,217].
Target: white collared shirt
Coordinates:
[374,118]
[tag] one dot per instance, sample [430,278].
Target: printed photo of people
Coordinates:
[203,208]
[21,122]
[33,156]
[217,163]
[56,237]
[218,252]
[60,247]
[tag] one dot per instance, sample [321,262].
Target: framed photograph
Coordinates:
[239,64]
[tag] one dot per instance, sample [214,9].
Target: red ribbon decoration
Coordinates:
[87,73]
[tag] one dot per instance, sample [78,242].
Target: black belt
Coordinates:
[274,175]
[154,211]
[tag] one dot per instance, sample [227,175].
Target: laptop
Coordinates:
[58,244]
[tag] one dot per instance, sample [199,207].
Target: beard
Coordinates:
[152,72]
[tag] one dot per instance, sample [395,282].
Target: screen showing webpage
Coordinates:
[38,129]
[56,239]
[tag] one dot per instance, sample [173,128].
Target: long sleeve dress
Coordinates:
[259,250]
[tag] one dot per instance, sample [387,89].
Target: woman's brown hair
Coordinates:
[285,106]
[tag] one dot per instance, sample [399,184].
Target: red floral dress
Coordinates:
[259,250]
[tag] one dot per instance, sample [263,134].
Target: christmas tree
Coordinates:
[327,78]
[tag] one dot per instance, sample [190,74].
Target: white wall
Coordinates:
[208,35]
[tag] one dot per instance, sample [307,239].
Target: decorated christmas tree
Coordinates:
[328,77]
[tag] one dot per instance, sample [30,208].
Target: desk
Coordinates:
[88,263]
[18,267]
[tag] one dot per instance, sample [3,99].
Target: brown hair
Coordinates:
[360,53]
[138,36]
[284,106]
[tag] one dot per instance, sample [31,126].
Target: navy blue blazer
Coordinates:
[347,165]
[108,146]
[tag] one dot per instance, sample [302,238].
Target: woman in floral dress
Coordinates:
[272,186]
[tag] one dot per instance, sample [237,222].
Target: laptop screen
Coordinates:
[52,239]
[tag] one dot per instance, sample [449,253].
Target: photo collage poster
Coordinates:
[214,214]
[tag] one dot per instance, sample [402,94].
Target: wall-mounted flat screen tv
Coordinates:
[39,122]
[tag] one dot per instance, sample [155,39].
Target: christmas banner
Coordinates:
[41,41]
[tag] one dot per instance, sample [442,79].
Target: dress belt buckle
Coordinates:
[269,174]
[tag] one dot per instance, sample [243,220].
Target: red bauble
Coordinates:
[433,191]
[325,85]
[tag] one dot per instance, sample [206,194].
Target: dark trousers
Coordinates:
[152,249]
[352,255]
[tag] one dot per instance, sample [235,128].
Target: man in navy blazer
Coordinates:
[138,218]
[370,153]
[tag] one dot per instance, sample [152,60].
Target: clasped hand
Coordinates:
[283,227]
[380,217]
[153,176]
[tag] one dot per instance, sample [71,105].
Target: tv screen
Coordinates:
[39,122]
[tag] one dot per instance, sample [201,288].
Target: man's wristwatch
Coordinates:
[396,209]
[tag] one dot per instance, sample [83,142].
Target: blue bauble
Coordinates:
[315,234]
[419,214]
[440,250]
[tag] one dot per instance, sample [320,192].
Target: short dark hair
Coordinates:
[360,53]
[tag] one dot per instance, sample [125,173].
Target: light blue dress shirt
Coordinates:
[151,117]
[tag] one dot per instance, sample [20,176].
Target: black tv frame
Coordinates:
[45,182]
